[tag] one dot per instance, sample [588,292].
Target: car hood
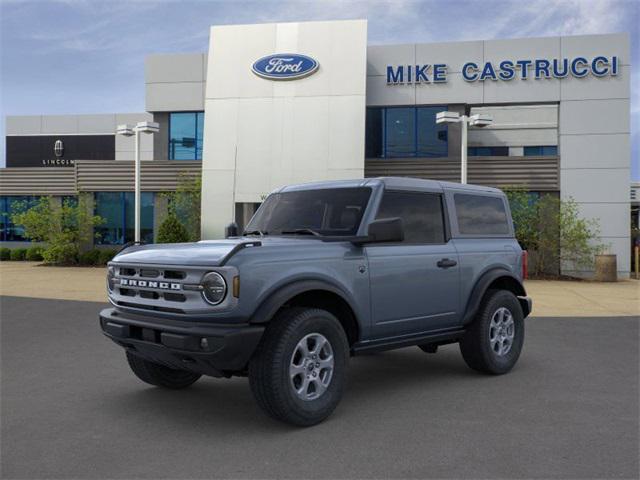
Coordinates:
[203,253]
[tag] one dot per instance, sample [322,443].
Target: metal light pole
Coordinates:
[477,120]
[128,131]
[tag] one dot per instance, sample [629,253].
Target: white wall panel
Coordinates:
[595,151]
[174,97]
[97,124]
[516,137]
[379,56]
[23,125]
[612,219]
[380,94]
[520,91]
[453,54]
[59,124]
[274,133]
[593,88]
[174,68]
[455,90]
[521,49]
[594,117]
[596,185]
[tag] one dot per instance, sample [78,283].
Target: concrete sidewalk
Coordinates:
[550,298]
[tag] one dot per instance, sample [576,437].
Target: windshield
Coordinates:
[331,211]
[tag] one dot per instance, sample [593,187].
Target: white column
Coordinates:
[137,186]
[463,153]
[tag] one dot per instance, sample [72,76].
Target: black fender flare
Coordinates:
[279,297]
[482,285]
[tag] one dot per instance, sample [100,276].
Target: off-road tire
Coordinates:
[269,367]
[159,375]
[475,346]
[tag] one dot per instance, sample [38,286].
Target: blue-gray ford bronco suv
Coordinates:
[322,272]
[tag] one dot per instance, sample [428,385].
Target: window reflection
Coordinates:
[117,209]
[405,132]
[185,135]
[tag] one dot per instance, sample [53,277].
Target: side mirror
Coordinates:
[386,230]
[231,230]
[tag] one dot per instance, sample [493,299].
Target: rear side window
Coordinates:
[481,215]
[421,215]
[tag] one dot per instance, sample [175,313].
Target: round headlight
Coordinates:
[111,272]
[214,288]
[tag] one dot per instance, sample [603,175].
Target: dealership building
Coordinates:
[274,104]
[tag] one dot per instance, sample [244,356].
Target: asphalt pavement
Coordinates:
[72,409]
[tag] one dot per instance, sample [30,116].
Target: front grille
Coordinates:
[164,289]
[174,297]
[147,273]
[174,275]
[150,307]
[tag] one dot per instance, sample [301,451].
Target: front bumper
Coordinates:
[180,344]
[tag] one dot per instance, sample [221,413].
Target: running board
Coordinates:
[382,344]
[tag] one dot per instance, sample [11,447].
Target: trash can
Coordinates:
[606,268]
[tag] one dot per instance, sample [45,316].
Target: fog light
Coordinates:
[204,343]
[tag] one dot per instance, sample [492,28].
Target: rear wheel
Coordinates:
[494,340]
[159,375]
[298,372]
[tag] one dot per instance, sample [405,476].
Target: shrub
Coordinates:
[61,254]
[90,257]
[554,232]
[34,254]
[172,231]
[18,254]
[5,254]
[106,256]
[184,203]
[64,227]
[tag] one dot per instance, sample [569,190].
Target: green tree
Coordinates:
[184,203]
[554,232]
[579,237]
[172,231]
[63,227]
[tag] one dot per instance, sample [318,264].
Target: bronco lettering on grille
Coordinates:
[129,282]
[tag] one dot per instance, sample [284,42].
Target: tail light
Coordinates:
[525,264]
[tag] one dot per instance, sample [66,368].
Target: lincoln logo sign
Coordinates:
[505,70]
[58,148]
[285,66]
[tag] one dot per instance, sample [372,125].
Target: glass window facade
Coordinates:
[541,151]
[401,132]
[488,151]
[9,232]
[117,209]
[185,135]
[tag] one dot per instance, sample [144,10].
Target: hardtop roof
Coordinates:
[391,182]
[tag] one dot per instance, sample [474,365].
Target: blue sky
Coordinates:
[83,56]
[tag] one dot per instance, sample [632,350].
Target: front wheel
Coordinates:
[298,372]
[494,340]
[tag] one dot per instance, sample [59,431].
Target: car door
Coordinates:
[414,284]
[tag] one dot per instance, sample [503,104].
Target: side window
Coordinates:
[421,215]
[481,215]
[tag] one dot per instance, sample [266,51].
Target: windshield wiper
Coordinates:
[254,232]
[301,231]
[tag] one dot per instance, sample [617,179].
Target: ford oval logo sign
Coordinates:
[285,66]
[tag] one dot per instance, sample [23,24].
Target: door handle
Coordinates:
[446,263]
